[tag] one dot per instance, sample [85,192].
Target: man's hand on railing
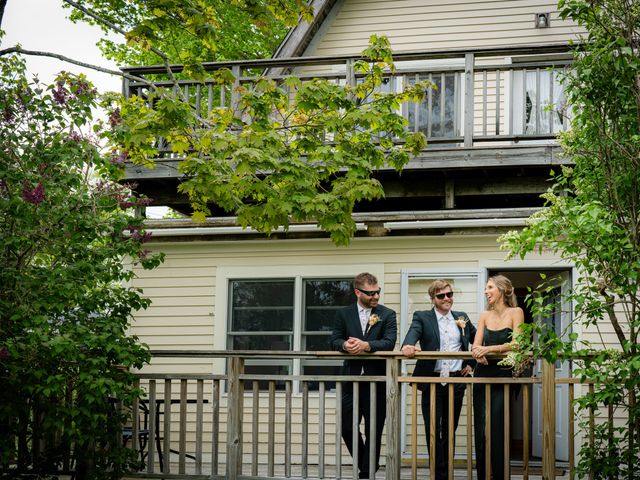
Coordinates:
[355,346]
[410,350]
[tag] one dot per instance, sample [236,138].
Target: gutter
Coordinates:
[360,226]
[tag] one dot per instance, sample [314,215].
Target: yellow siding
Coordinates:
[419,25]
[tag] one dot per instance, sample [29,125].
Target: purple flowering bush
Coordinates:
[66,227]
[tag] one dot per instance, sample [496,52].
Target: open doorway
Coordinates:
[523,281]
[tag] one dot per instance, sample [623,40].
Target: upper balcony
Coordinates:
[496,111]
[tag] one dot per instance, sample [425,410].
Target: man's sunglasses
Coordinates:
[369,293]
[440,296]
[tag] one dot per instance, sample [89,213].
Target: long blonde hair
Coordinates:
[504,285]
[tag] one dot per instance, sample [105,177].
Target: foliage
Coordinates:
[65,230]
[287,152]
[191,31]
[592,218]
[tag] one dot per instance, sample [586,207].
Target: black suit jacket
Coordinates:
[424,329]
[381,336]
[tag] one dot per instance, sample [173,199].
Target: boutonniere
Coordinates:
[373,319]
[461,322]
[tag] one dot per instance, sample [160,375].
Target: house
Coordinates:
[491,147]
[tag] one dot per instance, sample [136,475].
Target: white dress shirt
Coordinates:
[364,313]
[449,342]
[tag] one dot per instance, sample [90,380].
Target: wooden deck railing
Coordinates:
[240,425]
[483,95]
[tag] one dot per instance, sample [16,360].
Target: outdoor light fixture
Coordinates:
[542,20]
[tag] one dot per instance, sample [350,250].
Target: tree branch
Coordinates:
[613,317]
[38,53]
[119,30]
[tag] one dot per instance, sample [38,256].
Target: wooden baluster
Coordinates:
[272,428]
[255,414]
[548,420]
[182,442]
[234,419]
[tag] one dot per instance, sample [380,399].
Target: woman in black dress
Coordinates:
[494,335]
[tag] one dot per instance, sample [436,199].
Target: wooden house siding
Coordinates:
[420,25]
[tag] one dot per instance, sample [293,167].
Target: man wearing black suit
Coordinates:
[440,329]
[366,326]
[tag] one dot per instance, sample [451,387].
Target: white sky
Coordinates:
[43,25]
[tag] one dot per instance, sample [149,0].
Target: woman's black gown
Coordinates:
[492,369]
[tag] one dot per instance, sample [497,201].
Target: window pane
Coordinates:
[256,319]
[440,120]
[322,299]
[261,342]
[266,293]
[317,343]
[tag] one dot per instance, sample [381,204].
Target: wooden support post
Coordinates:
[234,419]
[393,420]
[235,92]
[449,194]
[469,60]
[548,420]
[350,76]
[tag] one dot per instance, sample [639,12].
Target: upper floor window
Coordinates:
[436,116]
[539,104]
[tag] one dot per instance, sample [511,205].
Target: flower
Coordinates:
[35,196]
[461,322]
[373,319]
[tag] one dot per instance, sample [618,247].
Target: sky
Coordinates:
[43,25]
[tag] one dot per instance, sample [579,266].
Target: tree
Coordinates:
[66,229]
[287,152]
[592,218]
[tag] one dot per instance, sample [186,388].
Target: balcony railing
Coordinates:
[486,96]
[239,425]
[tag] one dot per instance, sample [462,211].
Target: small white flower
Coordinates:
[461,322]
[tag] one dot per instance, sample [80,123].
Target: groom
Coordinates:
[440,329]
[365,326]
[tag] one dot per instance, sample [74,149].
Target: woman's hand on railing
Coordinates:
[478,352]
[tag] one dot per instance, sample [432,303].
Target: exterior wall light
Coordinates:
[542,20]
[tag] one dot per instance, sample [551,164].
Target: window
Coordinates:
[264,315]
[539,104]
[436,115]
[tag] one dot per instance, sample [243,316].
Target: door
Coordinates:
[560,321]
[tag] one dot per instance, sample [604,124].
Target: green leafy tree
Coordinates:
[287,152]
[66,231]
[190,31]
[592,218]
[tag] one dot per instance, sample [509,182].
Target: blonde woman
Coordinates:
[496,326]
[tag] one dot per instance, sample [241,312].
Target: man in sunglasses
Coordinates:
[363,327]
[440,329]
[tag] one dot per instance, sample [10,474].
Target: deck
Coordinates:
[243,425]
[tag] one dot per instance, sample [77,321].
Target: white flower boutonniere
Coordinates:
[461,322]
[373,319]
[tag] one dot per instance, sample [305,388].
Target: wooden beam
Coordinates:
[429,159]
